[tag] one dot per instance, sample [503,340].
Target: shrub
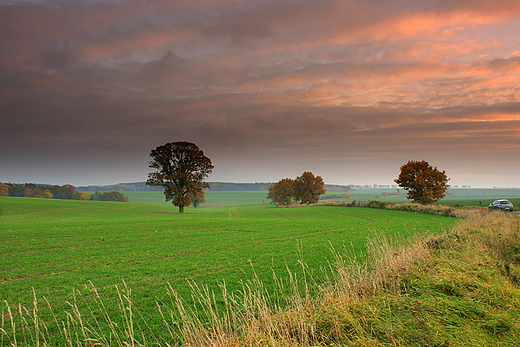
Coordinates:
[109,196]
[441,210]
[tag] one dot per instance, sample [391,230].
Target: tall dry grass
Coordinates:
[338,313]
[387,259]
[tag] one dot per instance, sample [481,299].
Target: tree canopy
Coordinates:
[282,192]
[424,183]
[181,170]
[305,189]
[308,188]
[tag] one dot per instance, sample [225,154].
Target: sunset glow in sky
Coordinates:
[350,90]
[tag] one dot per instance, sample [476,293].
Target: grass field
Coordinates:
[457,196]
[53,246]
[481,197]
[212,198]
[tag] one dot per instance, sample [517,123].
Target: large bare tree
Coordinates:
[181,170]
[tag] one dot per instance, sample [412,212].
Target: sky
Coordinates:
[349,90]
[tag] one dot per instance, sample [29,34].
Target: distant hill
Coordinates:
[214,186]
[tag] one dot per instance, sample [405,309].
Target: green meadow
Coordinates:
[481,197]
[54,250]
[213,199]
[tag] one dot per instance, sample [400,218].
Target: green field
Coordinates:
[471,196]
[52,246]
[212,198]
[459,196]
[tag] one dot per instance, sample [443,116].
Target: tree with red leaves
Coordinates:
[424,183]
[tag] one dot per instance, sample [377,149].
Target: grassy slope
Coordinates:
[463,292]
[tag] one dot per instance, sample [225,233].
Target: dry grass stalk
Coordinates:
[387,260]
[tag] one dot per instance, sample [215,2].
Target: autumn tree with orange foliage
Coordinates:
[305,189]
[282,192]
[4,189]
[424,183]
[308,188]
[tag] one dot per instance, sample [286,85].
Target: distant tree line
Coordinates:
[253,187]
[335,196]
[109,196]
[238,187]
[214,186]
[46,191]
[120,187]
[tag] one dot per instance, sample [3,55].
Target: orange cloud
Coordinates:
[315,80]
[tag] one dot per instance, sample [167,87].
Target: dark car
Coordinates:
[501,204]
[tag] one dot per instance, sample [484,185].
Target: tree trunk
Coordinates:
[181,209]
